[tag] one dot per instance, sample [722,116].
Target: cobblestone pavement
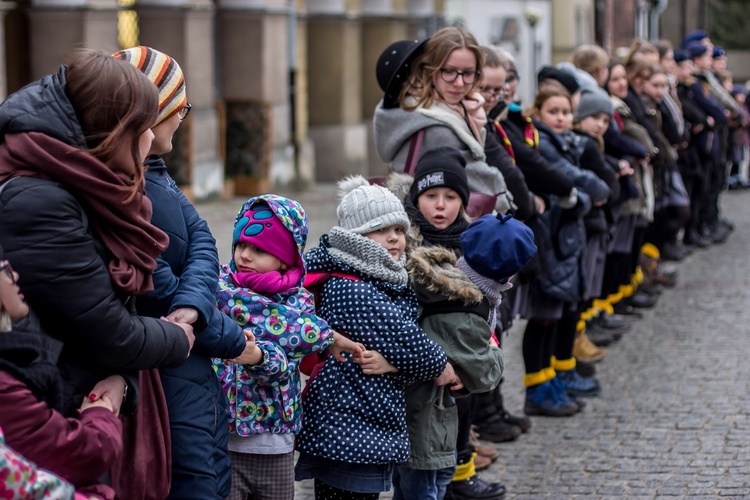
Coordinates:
[673,417]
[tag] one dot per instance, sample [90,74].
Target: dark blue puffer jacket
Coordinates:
[186,276]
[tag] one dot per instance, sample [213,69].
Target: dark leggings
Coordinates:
[464,449]
[667,223]
[566,332]
[326,492]
[538,344]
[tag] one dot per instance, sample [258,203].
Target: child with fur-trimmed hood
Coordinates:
[354,432]
[460,299]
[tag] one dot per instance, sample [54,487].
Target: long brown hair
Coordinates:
[437,50]
[114,102]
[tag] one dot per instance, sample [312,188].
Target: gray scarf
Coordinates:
[491,288]
[367,256]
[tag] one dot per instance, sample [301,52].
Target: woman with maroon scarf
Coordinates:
[76,225]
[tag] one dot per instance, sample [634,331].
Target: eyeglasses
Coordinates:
[494,92]
[184,111]
[8,270]
[451,75]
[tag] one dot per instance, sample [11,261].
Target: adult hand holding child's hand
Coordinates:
[107,393]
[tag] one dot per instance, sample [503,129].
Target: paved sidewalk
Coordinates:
[673,418]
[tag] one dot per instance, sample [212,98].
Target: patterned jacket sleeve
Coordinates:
[370,317]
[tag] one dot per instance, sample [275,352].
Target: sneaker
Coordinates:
[523,422]
[474,488]
[612,322]
[542,399]
[562,395]
[671,252]
[578,386]
[497,430]
[641,300]
[652,289]
[584,350]
[622,308]
[585,369]
[693,237]
[599,336]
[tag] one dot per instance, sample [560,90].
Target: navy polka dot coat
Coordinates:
[350,416]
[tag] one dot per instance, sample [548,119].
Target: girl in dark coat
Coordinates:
[80,450]
[354,431]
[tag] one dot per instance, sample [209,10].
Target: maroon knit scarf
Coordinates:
[125,229]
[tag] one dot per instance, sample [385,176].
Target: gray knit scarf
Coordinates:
[491,288]
[367,256]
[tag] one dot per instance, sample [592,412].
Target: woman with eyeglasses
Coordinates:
[432,100]
[76,224]
[185,282]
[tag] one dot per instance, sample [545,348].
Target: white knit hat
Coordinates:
[365,208]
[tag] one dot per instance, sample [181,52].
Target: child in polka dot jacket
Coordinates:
[354,431]
[261,289]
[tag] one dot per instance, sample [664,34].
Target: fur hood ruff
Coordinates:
[434,270]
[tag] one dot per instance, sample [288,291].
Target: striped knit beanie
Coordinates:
[164,72]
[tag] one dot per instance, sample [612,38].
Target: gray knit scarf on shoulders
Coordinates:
[491,288]
[367,256]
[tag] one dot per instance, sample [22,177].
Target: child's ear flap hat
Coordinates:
[497,247]
[365,208]
[440,167]
[260,227]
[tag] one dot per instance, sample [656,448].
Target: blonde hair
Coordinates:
[437,50]
[590,58]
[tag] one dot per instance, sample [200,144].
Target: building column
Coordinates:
[337,128]
[184,29]
[254,66]
[4,8]
[56,26]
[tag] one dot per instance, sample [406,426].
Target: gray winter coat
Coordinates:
[394,129]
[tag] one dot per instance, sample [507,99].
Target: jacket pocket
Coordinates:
[443,424]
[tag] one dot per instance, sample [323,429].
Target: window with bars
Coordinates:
[127,24]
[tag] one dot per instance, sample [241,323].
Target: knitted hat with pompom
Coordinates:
[365,208]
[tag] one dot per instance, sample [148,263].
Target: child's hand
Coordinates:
[252,355]
[373,363]
[108,393]
[342,344]
[103,402]
[449,377]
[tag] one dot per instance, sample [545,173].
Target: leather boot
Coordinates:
[474,488]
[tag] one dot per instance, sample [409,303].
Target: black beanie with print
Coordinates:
[441,167]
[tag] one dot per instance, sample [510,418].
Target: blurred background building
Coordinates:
[283,91]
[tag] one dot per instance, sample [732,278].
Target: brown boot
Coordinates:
[585,350]
[486,452]
[481,463]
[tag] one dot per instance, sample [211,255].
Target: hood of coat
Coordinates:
[155,164]
[436,277]
[394,127]
[43,106]
[567,143]
[289,212]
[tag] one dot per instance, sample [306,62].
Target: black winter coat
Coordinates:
[63,265]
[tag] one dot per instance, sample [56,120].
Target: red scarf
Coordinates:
[125,229]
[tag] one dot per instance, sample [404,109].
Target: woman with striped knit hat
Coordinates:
[184,284]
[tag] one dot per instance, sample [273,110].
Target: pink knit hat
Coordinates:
[259,226]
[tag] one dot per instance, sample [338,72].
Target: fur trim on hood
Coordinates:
[399,184]
[434,269]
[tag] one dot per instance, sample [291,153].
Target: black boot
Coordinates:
[474,488]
